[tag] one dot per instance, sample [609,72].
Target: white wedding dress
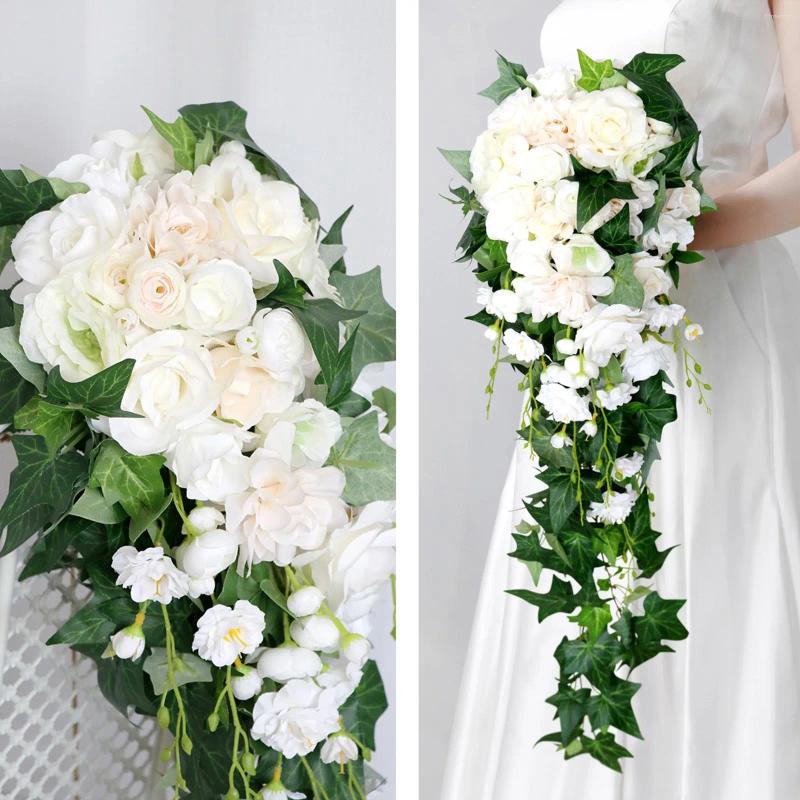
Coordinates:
[720,716]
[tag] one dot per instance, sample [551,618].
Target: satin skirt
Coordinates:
[721,715]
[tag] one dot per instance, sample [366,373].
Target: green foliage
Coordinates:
[12,351]
[615,235]
[459,161]
[597,189]
[55,424]
[362,709]
[512,77]
[386,400]
[192,669]
[20,199]
[593,73]
[16,391]
[179,136]
[627,288]
[100,395]
[334,237]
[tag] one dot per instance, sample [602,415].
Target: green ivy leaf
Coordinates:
[121,682]
[530,550]
[12,351]
[675,157]
[593,73]
[344,376]
[47,553]
[333,238]
[660,620]
[93,506]
[649,216]
[20,200]
[595,619]
[559,600]
[605,749]
[386,400]
[100,395]
[590,658]
[16,391]
[364,707]
[512,77]
[192,669]
[89,626]
[563,498]
[613,707]
[596,191]
[615,235]
[653,407]
[204,152]
[376,326]
[288,291]
[654,63]
[688,256]
[571,705]
[179,136]
[459,161]
[56,424]
[627,288]
[366,460]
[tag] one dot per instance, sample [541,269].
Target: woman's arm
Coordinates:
[769,204]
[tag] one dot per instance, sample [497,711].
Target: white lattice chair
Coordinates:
[59,738]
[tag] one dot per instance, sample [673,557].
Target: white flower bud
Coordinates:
[491,334]
[567,347]
[589,429]
[206,518]
[560,440]
[128,643]
[247,684]
[339,749]
[247,340]
[284,663]
[315,633]
[305,602]
[356,649]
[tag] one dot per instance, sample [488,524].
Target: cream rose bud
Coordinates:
[504,304]
[566,347]
[206,518]
[305,601]
[546,164]
[206,555]
[246,684]
[315,633]
[281,341]
[284,663]
[128,643]
[157,292]
[581,256]
[356,649]
[219,297]
[172,388]
[248,388]
[275,790]
[149,574]
[339,749]
[583,370]
[224,633]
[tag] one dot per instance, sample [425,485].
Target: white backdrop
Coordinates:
[317,78]
[464,458]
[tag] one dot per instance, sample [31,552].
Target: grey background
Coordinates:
[317,78]
[464,458]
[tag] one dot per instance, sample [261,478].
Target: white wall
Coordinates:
[464,458]
[317,78]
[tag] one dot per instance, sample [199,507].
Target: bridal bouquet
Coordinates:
[585,187]
[180,369]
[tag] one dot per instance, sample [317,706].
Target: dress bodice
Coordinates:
[731,81]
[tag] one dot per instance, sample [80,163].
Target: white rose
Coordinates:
[224,633]
[564,404]
[582,256]
[246,684]
[284,511]
[614,508]
[128,643]
[627,466]
[108,277]
[649,271]
[172,387]
[607,124]
[311,428]
[305,601]
[157,292]
[295,719]
[644,360]
[219,297]
[504,304]
[612,397]
[496,153]
[546,164]
[315,633]
[109,163]
[206,555]
[149,574]
[248,389]
[554,81]
[521,346]
[229,173]
[608,330]
[669,231]
[683,202]
[636,162]
[207,460]
[283,663]
[339,749]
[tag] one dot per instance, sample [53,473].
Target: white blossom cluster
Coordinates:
[166,267]
[523,176]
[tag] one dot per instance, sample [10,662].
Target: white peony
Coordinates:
[339,749]
[219,297]
[224,633]
[612,397]
[608,330]
[284,663]
[607,124]
[564,404]
[295,719]
[157,292]
[521,346]
[614,507]
[172,387]
[644,360]
[149,574]
[627,466]
[284,511]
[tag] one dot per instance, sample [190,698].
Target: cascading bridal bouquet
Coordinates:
[178,369]
[585,188]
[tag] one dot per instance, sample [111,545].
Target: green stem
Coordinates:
[316,786]
[238,734]
[177,499]
[181,732]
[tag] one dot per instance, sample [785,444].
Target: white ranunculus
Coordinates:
[608,330]
[315,633]
[206,555]
[312,428]
[614,507]
[305,601]
[128,643]
[149,574]
[63,326]
[554,82]
[669,231]
[284,663]
[248,389]
[246,684]
[224,633]
[172,387]
[627,466]
[546,164]
[296,718]
[582,256]
[504,304]
[644,360]
[649,271]
[207,460]
[157,292]
[206,518]
[521,346]
[564,404]
[612,397]
[683,202]
[284,511]
[109,163]
[607,124]
[219,297]
[356,563]
[663,316]
[339,749]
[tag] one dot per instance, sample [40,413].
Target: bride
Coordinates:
[720,716]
